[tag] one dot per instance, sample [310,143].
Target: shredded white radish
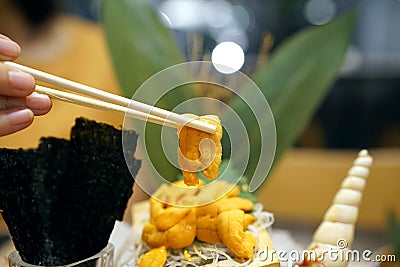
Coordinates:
[200,253]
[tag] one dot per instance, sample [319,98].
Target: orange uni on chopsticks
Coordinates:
[199,150]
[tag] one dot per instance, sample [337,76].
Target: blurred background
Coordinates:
[361,109]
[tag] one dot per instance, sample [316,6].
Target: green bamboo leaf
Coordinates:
[139,44]
[300,74]
[295,81]
[393,233]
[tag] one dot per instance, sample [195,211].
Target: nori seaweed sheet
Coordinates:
[60,201]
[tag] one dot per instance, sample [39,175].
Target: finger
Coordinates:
[15,82]
[39,104]
[7,102]
[15,120]
[9,50]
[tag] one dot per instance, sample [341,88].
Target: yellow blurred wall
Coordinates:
[304,183]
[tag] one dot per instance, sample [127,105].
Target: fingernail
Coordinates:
[9,48]
[20,116]
[21,80]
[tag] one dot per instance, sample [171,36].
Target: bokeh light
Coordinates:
[227,57]
[183,14]
[218,14]
[320,12]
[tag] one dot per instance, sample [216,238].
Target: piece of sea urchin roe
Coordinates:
[198,149]
[156,257]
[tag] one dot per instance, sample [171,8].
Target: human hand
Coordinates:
[18,103]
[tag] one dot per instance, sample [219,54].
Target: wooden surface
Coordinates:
[304,183]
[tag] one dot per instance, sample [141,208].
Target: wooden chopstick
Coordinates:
[101,105]
[147,112]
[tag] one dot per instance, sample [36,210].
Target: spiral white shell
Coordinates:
[336,232]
